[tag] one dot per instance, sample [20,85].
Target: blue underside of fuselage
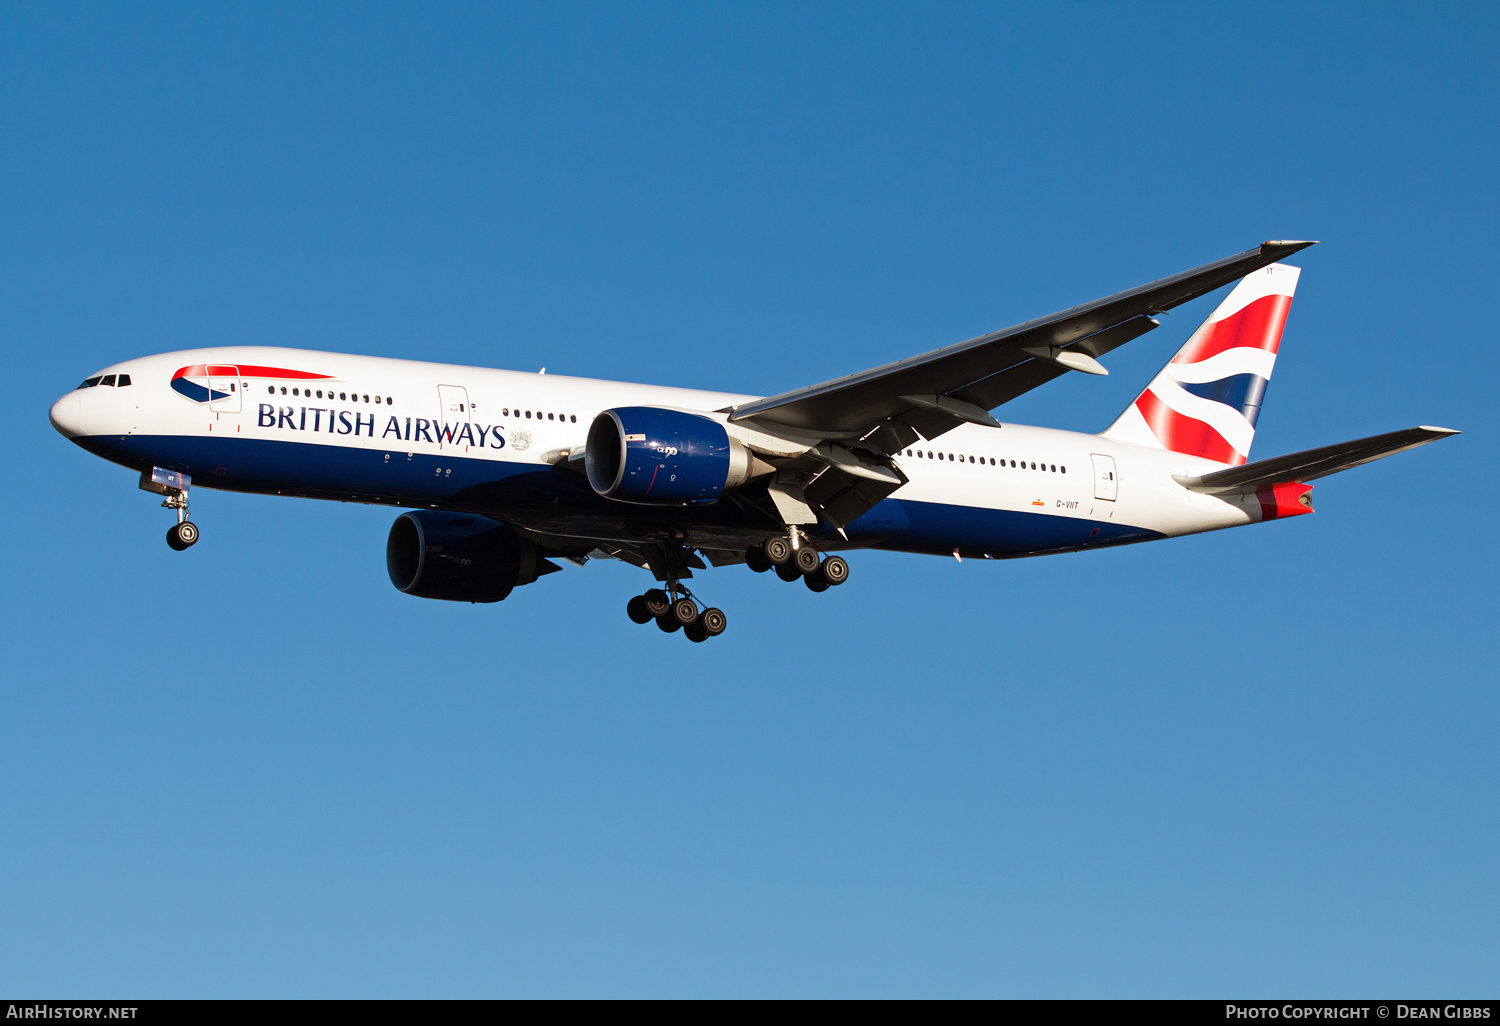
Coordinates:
[555,500]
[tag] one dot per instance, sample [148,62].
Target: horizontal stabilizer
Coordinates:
[1312,463]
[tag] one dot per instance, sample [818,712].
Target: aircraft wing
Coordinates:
[935,392]
[1311,464]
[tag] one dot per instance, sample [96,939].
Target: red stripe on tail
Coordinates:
[1257,326]
[1185,434]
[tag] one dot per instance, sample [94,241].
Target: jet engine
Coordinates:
[656,456]
[437,555]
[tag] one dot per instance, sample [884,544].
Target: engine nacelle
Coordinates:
[663,457]
[459,558]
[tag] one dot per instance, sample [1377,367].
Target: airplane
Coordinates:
[505,471]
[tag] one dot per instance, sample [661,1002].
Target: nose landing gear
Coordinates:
[174,485]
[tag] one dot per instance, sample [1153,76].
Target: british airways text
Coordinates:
[411,429]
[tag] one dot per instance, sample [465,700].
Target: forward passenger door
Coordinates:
[224,382]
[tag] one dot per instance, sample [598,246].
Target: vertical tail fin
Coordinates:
[1206,401]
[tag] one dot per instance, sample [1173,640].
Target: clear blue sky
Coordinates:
[1259,762]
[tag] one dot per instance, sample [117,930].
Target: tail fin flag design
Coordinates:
[1206,401]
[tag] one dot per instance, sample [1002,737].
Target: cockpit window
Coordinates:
[108,379]
[124,380]
[88,383]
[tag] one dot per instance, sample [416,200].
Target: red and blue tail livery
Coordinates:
[1207,400]
[504,472]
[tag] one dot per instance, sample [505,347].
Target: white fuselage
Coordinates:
[352,428]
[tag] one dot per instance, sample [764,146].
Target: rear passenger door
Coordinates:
[1106,484]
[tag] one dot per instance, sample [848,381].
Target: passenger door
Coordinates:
[453,410]
[223,388]
[1106,486]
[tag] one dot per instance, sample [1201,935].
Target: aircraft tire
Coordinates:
[657,602]
[695,632]
[807,560]
[685,611]
[668,624]
[183,535]
[755,559]
[637,611]
[777,550]
[713,621]
[815,581]
[788,572]
[835,570]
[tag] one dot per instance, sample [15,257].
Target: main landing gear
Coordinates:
[677,614]
[793,559]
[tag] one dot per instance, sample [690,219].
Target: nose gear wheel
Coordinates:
[182,535]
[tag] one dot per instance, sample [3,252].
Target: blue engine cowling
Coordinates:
[438,555]
[663,457]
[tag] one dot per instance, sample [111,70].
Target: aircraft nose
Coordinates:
[65,416]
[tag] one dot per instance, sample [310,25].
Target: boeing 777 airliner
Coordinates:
[506,471]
